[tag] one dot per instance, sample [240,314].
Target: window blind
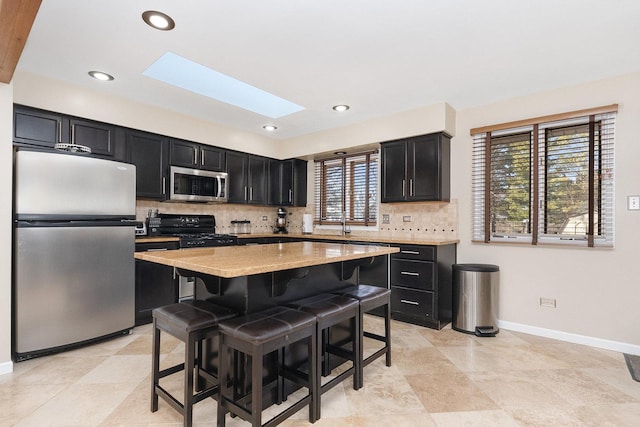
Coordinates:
[548,182]
[347,186]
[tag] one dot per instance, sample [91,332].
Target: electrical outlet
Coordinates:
[406,218]
[548,302]
[633,203]
[385,218]
[264,218]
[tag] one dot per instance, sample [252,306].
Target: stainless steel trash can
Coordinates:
[475,299]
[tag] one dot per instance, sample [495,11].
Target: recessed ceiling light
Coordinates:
[99,75]
[270,128]
[340,108]
[158,20]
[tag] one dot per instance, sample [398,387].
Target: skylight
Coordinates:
[183,73]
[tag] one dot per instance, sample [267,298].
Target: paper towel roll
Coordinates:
[307,224]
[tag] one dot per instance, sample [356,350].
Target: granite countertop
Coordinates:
[236,261]
[346,239]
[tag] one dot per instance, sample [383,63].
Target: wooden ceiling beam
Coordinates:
[16,19]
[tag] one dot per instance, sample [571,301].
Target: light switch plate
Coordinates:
[406,218]
[633,203]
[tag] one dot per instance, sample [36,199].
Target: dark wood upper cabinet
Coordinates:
[37,127]
[198,156]
[150,154]
[247,178]
[288,182]
[45,129]
[416,169]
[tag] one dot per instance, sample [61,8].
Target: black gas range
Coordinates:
[194,231]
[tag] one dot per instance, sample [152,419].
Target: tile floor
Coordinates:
[438,378]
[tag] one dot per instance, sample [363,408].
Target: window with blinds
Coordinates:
[546,180]
[347,187]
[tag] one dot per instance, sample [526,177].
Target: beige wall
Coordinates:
[597,290]
[6,168]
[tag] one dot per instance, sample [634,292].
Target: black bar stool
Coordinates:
[371,297]
[330,310]
[257,335]
[191,322]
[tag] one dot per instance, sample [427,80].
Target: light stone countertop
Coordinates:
[236,261]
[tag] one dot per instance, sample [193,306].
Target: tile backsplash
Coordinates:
[414,221]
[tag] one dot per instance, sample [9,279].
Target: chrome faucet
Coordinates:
[345,230]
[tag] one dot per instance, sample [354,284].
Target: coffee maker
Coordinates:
[281,222]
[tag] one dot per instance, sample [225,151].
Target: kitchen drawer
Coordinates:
[412,302]
[417,252]
[413,274]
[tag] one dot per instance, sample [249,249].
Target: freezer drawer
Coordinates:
[71,284]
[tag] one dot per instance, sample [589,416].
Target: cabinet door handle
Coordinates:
[157,250]
[403,187]
[202,157]
[290,196]
[250,194]
[406,301]
[409,252]
[245,192]
[60,131]
[73,134]
[164,182]
[409,273]
[411,188]
[195,156]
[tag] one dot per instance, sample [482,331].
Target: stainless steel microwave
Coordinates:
[195,185]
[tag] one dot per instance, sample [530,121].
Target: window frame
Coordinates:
[348,163]
[600,181]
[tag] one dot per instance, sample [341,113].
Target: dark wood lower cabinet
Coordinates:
[155,284]
[421,284]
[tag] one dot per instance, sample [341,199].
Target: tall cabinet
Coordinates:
[416,169]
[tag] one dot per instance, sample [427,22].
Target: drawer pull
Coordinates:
[409,273]
[405,301]
[410,252]
[157,249]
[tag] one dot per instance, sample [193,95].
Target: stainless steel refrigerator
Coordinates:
[74,240]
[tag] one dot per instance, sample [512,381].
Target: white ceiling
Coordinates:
[379,56]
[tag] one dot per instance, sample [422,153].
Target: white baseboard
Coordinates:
[573,338]
[6,367]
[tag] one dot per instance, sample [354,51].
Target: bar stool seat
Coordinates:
[371,297]
[257,335]
[330,310]
[191,322]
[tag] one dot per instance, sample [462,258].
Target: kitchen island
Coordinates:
[251,278]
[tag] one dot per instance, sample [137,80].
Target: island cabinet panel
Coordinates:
[416,169]
[150,154]
[420,280]
[198,156]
